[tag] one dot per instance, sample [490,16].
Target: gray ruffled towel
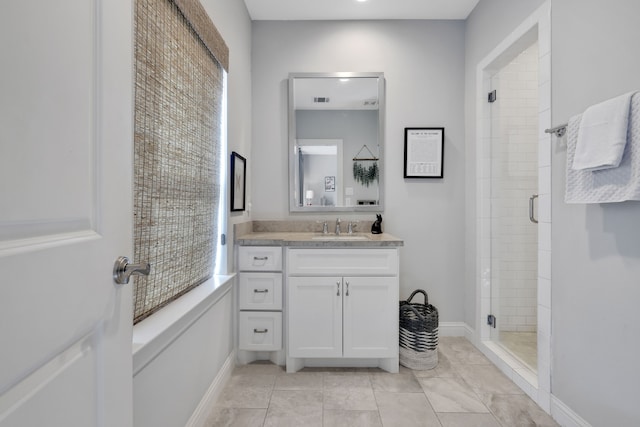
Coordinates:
[608,185]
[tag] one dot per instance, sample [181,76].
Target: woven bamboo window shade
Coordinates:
[179,61]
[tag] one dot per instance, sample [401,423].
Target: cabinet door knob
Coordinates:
[338,289]
[260,331]
[347,288]
[260,291]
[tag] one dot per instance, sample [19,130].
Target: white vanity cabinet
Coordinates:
[260,298]
[342,307]
[342,316]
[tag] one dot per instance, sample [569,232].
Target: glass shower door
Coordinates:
[514,180]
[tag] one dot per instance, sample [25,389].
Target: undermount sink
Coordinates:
[341,237]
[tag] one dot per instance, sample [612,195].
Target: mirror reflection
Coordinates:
[335,129]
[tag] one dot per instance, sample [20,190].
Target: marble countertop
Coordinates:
[310,239]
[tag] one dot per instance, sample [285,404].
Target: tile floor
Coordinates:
[465,389]
[523,345]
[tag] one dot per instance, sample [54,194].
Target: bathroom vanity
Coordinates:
[339,299]
[342,304]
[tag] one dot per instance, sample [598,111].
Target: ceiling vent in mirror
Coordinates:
[321,100]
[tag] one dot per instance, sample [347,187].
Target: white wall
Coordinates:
[423,63]
[595,248]
[174,375]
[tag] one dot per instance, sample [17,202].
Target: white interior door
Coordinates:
[65,212]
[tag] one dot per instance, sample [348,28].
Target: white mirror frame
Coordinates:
[293,207]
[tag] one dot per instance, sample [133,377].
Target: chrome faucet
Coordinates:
[352,225]
[325,226]
[338,227]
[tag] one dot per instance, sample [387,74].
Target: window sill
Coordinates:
[155,333]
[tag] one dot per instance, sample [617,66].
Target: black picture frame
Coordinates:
[424,152]
[238,182]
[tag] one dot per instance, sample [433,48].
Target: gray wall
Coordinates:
[489,23]
[595,248]
[423,63]
[234,24]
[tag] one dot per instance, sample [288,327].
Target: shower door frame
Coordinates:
[536,384]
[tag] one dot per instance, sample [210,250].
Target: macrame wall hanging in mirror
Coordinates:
[365,169]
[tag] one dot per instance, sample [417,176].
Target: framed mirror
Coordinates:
[336,139]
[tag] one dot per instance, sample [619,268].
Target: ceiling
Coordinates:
[285,10]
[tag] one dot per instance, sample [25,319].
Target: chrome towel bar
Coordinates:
[559,131]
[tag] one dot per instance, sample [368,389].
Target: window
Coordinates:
[179,145]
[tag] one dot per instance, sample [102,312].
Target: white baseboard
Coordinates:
[199,416]
[454,329]
[565,415]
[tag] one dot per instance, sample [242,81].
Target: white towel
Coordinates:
[603,134]
[608,185]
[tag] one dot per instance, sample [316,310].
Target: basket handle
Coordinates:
[426,298]
[412,308]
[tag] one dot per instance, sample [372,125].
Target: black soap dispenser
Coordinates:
[376,227]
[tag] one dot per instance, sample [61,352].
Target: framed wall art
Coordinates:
[423,152]
[329,183]
[238,182]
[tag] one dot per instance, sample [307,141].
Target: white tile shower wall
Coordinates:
[515,179]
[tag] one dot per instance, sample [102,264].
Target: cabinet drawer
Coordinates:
[342,262]
[260,331]
[260,258]
[260,291]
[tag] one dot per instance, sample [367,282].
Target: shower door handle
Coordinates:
[531,216]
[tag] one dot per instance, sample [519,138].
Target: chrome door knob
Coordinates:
[122,270]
